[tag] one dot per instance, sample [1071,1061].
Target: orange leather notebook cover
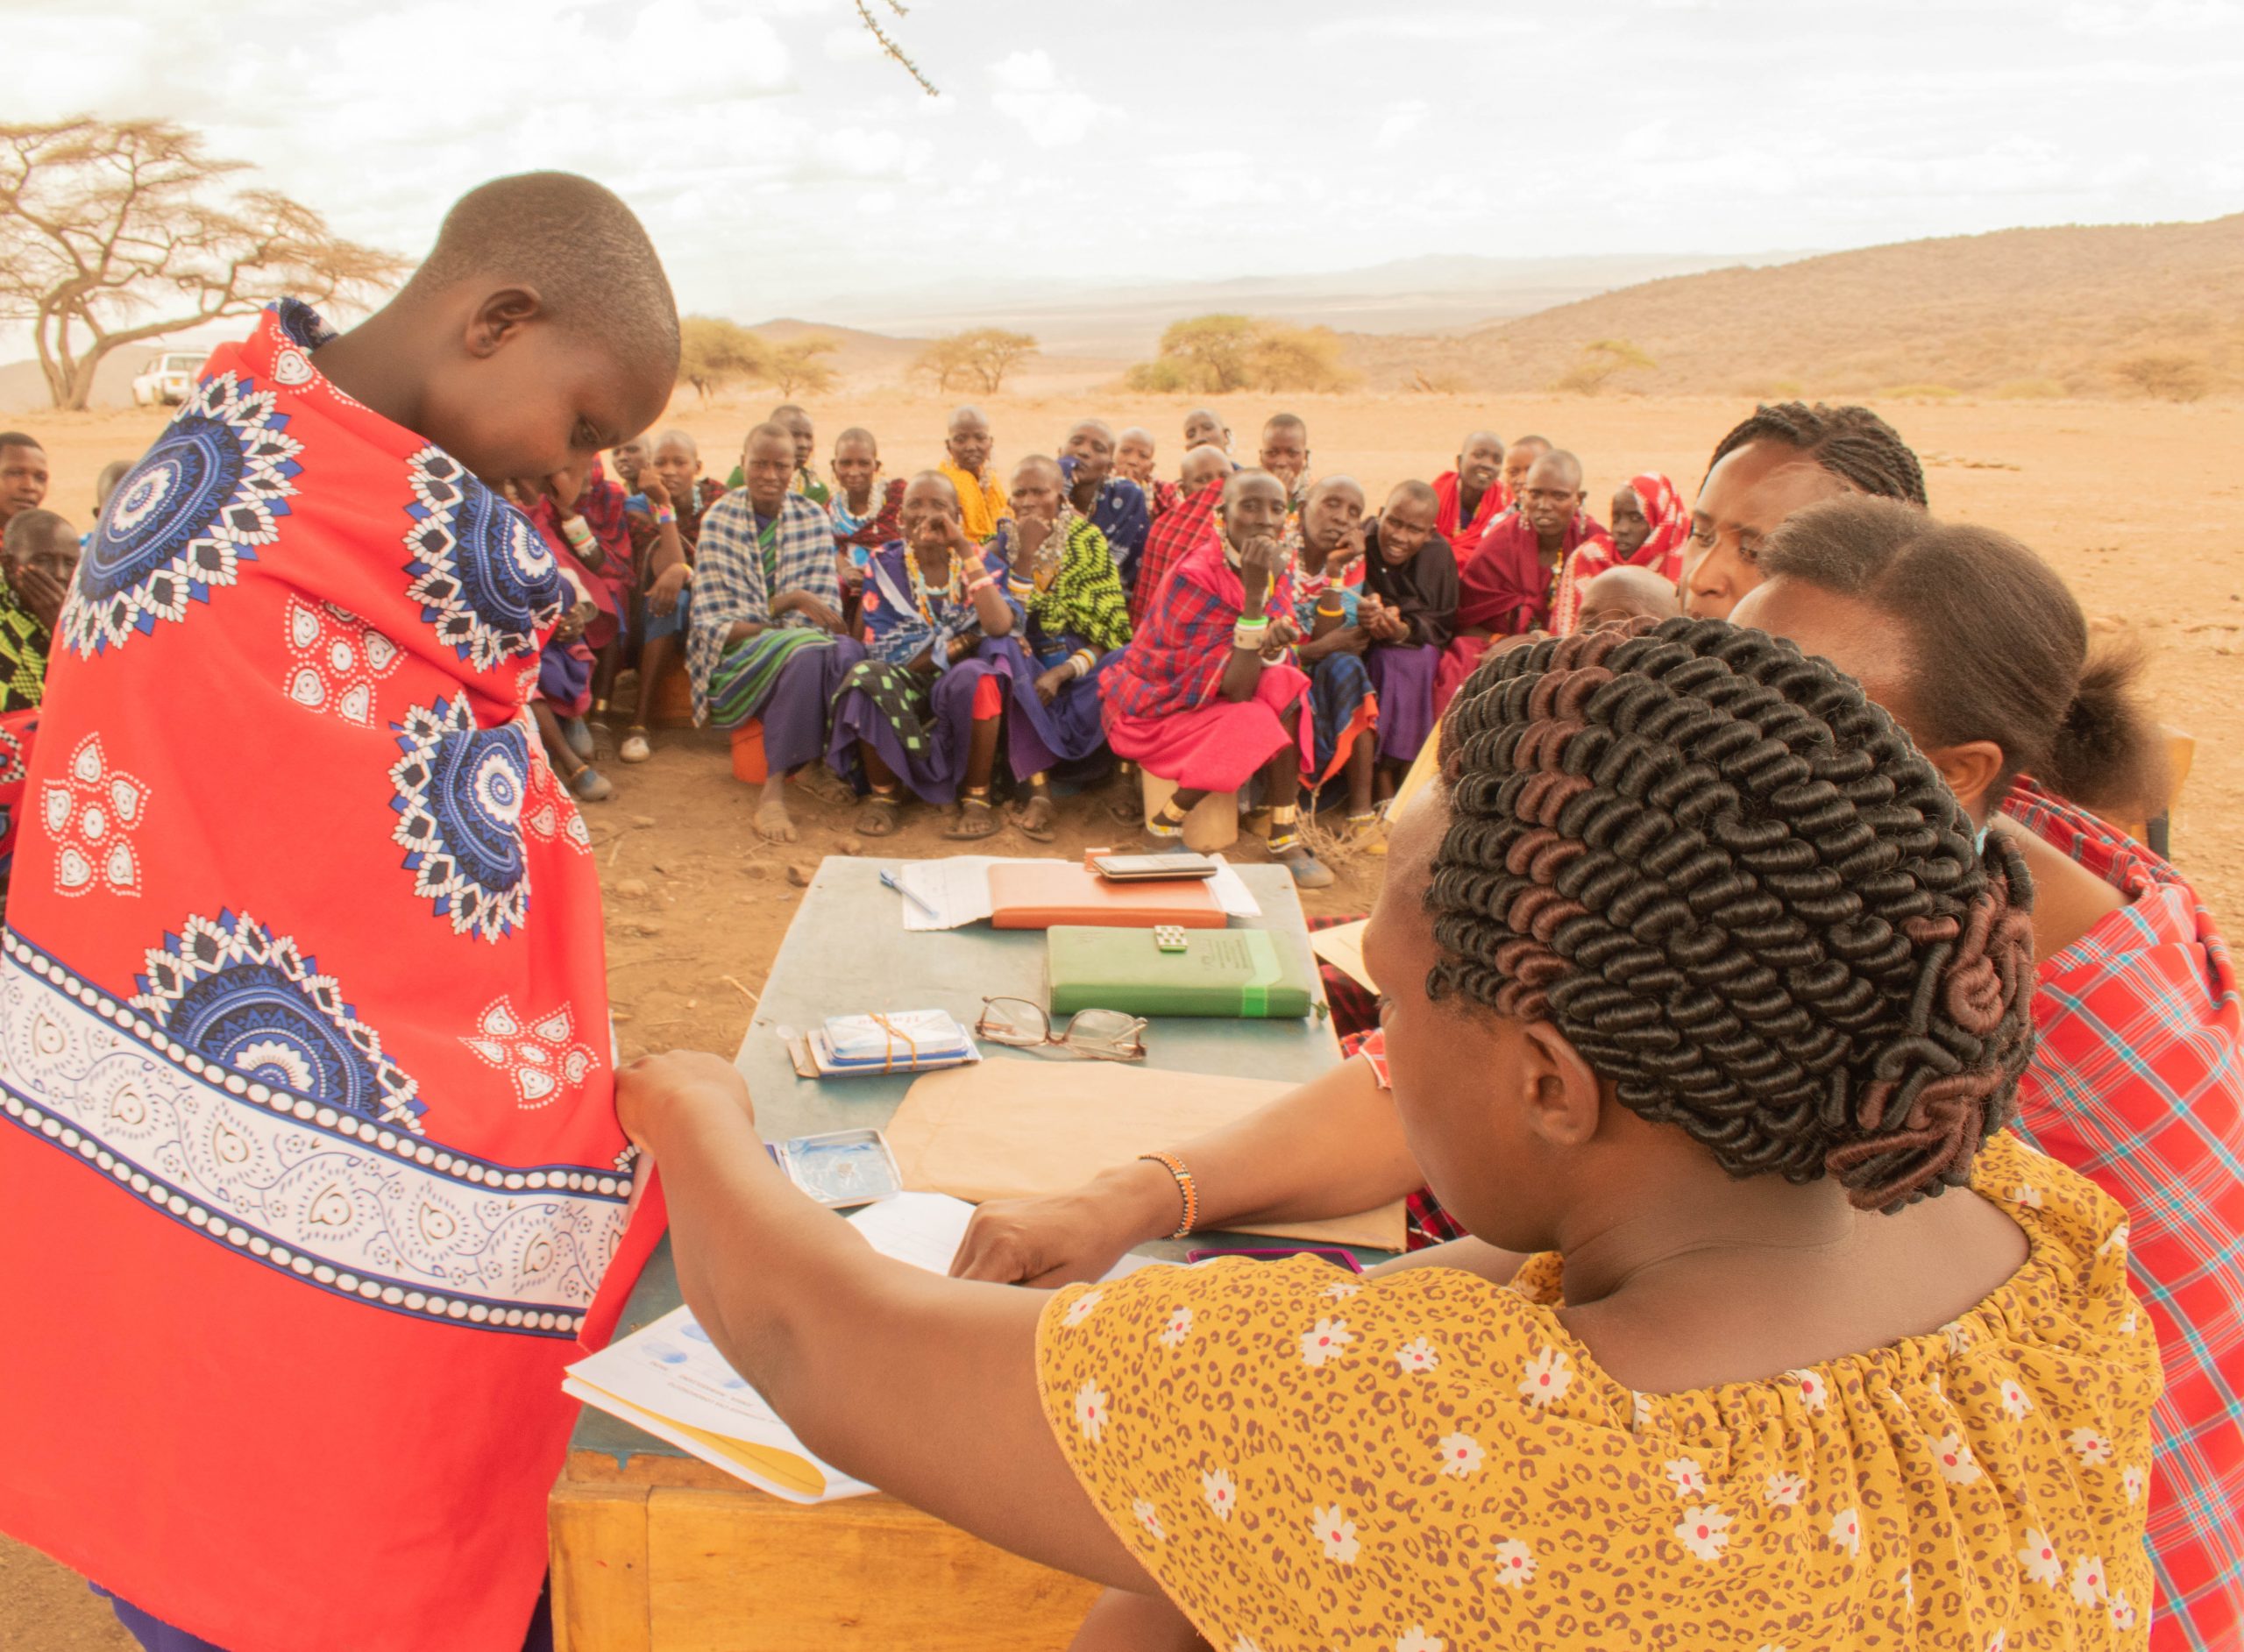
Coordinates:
[1038,895]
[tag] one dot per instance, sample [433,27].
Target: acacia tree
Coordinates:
[947,361]
[115,231]
[713,353]
[1215,347]
[796,367]
[992,353]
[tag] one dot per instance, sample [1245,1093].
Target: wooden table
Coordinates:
[653,1548]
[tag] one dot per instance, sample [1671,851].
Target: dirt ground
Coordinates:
[697,906]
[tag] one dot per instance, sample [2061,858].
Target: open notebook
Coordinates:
[667,1378]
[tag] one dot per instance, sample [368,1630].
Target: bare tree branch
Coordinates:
[889,47]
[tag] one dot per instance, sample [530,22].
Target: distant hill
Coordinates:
[2025,311]
[1123,322]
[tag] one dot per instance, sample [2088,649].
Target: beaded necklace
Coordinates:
[954,590]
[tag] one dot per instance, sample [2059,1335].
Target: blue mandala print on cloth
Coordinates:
[247,1000]
[178,525]
[459,815]
[482,575]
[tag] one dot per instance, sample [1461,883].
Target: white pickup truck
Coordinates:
[167,378]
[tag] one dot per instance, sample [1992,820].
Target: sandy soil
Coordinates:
[697,905]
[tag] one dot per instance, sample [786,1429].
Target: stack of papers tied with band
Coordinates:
[885,1041]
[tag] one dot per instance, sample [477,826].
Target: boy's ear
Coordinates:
[500,316]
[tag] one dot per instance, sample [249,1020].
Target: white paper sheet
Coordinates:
[669,1379]
[926,1229]
[957,890]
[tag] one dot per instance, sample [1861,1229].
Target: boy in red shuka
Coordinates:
[312,1178]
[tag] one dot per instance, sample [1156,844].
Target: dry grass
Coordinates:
[2145,310]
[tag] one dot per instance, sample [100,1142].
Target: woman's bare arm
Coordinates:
[922,1386]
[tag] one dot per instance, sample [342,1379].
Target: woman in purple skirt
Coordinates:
[927,707]
[1409,607]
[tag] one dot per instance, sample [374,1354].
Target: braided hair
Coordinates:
[1852,444]
[1742,895]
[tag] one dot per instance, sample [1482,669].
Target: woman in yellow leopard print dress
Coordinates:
[1702,985]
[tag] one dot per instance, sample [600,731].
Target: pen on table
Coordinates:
[897,883]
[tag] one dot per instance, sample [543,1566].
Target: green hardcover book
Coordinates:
[1218,972]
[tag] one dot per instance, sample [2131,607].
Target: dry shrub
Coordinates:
[2164,375]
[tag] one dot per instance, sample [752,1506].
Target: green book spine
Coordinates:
[1227,972]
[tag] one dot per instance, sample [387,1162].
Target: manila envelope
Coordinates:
[1007,1129]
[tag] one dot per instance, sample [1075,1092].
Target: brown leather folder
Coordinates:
[1037,894]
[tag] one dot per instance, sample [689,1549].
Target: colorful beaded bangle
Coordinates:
[1185,1185]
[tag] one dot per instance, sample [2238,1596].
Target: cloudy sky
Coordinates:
[780,161]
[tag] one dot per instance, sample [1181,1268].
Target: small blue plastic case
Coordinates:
[841,1167]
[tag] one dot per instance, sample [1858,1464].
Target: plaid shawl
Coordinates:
[2137,1082]
[1176,660]
[739,568]
[1178,531]
[1662,551]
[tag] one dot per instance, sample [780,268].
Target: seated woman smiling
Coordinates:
[1698,986]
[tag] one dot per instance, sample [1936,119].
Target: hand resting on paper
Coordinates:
[1332,1148]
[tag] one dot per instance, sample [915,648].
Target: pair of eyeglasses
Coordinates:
[1091,1035]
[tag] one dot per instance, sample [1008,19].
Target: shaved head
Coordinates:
[1037,464]
[857,435]
[577,247]
[1203,465]
[1415,494]
[1558,468]
[675,437]
[1137,433]
[966,418]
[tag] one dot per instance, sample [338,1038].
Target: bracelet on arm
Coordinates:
[1250,634]
[1185,1187]
[974,586]
[1336,610]
[576,530]
[667,517]
[1083,660]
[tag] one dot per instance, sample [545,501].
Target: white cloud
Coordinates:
[1024,72]
[1440,28]
[1403,119]
[1034,95]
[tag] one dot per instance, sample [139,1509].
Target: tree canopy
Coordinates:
[116,232]
[1210,355]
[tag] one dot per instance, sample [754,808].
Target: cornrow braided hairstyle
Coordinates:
[1851,443]
[1740,892]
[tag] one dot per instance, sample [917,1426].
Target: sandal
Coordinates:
[877,816]
[589,785]
[1035,820]
[634,748]
[975,817]
[1165,832]
[578,733]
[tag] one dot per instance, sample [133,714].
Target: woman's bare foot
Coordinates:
[1035,821]
[876,817]
[773,823]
